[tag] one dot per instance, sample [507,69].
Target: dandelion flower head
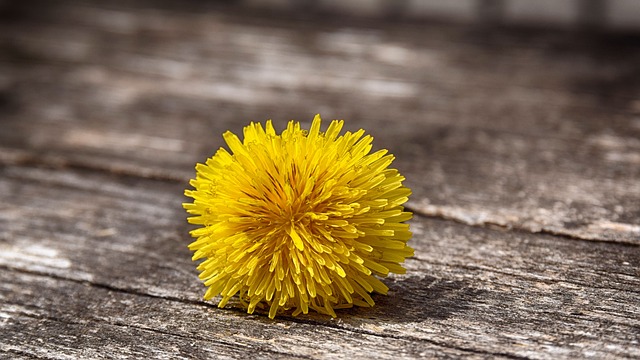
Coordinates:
[298,220]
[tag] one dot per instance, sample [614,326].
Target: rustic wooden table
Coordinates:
[522,148]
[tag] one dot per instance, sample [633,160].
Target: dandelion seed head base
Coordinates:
[298,220]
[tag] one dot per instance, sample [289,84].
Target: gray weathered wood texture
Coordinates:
[522,148]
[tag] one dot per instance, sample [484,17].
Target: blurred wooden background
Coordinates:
[522,146]
[616,15]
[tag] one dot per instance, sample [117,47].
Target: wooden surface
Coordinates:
[522,148]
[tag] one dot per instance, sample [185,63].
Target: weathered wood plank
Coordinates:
[121,242]
[94,317]
[107,107]
[490,128]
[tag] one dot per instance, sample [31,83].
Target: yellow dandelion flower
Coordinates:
[304,219]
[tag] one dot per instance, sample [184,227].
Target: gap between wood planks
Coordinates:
[236,310]
[25,158]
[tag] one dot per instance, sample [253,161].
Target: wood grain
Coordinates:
[118,264]
[522,149]
[499,128]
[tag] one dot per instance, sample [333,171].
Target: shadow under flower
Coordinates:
[410,299]
[415,298]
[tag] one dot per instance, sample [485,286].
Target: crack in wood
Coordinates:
[524,275]
[139,327]
[441,215]
[60,163]
[237,311]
